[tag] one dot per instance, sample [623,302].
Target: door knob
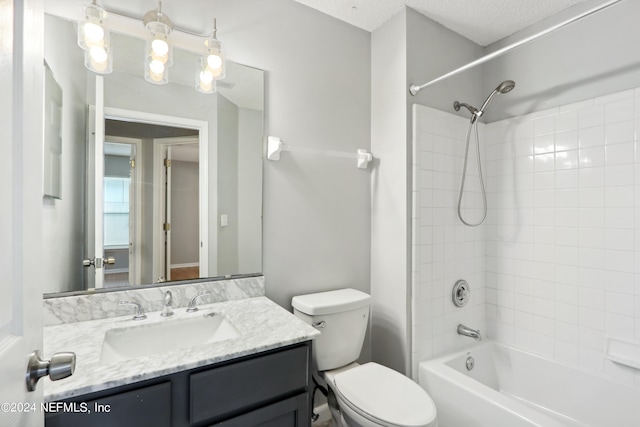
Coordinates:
[98,262]
[61,365]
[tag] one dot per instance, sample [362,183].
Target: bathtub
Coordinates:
[508,387]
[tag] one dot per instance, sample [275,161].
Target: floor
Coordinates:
[185,273]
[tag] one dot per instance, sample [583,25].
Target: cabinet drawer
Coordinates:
[146,406]
[291,412]
[240,386]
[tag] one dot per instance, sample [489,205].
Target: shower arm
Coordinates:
[415,89]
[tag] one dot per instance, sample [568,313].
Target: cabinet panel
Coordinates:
[223,391]
[292,412]
[146,406]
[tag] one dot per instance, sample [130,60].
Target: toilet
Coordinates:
[367,395]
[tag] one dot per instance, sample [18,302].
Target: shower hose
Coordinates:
[472,124]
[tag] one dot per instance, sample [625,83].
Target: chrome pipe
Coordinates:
[415,89]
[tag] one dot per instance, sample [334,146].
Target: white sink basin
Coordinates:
[168,334]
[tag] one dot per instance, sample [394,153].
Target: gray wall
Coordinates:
[589,58]
[433,50]
[227,186]
[62,220]
[116,166]
[409,48]
[389,263]
[185,210]
[316,208]
[249,200]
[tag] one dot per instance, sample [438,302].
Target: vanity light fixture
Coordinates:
[94,38]
[212,66]
[158,50]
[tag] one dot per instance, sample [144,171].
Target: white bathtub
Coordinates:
[508,387]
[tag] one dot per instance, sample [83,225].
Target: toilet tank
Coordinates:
[341,317]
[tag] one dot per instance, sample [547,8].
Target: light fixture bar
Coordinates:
[181,38]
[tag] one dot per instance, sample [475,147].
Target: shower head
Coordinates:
[504,87]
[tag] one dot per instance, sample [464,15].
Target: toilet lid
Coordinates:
[386,396]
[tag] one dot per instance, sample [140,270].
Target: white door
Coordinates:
[167,214]
[21,106]
[135,220]
[98,187]
[95,197]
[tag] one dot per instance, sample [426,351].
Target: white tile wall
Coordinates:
[555,269]
[563,251]
[443,249]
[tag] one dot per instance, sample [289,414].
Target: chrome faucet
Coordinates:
[139,310]
[192,304]
[167,310]
[468,332]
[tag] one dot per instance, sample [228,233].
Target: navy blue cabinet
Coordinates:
[271,388]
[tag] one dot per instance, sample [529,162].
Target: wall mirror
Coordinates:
[160,182]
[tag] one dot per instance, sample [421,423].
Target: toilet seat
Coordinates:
[384,396]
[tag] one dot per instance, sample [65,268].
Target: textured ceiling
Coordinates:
[481,21]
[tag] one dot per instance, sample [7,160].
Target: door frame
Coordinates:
[203,140]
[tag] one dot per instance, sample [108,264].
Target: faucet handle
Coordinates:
[139,310]
[192,304]
[167,310]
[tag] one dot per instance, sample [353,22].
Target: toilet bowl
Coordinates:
[372,395]
[367,395]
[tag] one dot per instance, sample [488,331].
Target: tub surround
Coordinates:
[263,326]
[93,306]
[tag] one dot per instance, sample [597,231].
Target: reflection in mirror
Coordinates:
[140,222]
[127,241]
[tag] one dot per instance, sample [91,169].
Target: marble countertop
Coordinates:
[263,325]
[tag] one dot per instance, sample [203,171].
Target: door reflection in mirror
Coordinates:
[139,159]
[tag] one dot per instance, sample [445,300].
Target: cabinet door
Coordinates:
[292,412]
[147,406]
[225,391]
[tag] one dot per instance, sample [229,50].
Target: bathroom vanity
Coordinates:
[260,376]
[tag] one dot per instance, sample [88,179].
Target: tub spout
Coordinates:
[468,332]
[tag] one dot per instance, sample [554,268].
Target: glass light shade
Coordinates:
[156,72]
[156,67]
[214,61]
[99,59]
[158,44]
[214,58]
[91,31]
[205,82]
